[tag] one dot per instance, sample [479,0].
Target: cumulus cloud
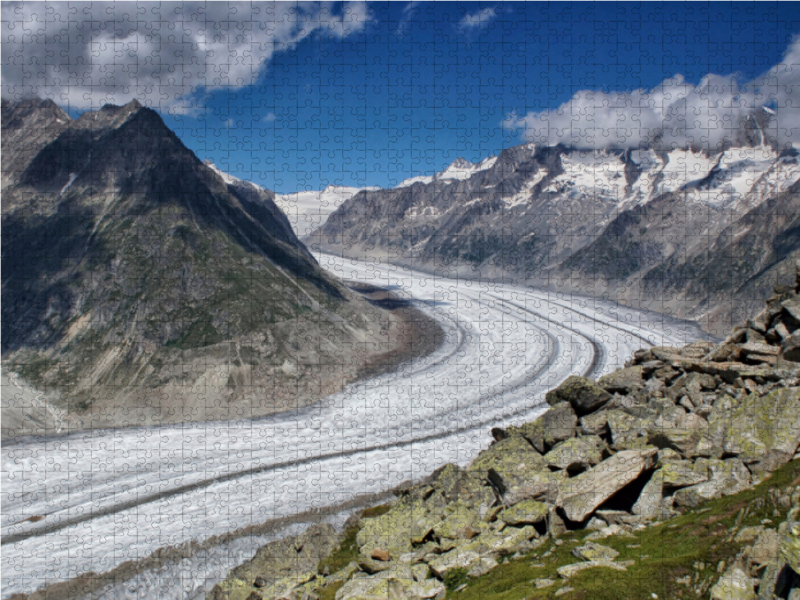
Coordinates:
[476,20]
[168,55]
[674,113]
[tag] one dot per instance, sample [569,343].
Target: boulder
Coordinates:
[682,473]
[408,522]
[527,512]
[623,381]
[792,307]
[458,558]
[790,348]
[576,454]
[678,430]
[735,584]
[624,426]
[648,506]
[397,583]
[557,424]
[595,423]
[594,551]
[583,394]
[764,431]
[568,571]
[725,477]
[580,496]
[459,523]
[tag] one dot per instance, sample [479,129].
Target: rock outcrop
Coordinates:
[674,429]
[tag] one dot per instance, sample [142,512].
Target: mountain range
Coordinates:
[698,233]
[142,286]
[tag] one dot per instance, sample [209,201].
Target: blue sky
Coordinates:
[369,94]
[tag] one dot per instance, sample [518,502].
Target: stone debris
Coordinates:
[675,428]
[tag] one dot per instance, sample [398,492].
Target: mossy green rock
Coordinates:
[527,512]
[583,394]
[576,453]
[765,431]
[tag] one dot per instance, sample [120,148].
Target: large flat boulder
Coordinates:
[580,496]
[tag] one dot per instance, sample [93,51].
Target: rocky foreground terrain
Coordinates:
[677,476]
[144,287]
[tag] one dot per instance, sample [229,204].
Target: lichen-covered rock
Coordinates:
[457,558]
[580,496]
[557,424]
[458,524]
[682,473]
[280,566]
[397,583]
[579,453]
[527,512]
[568,571]
[408,522]
[726,477]
[595,423]
[583,394]
[734,585]
[681,432]
[623,381]
[594,551]
[625,427]
[771,434]
[789,549]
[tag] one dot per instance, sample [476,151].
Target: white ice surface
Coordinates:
[110,496]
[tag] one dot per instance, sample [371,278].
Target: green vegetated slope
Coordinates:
[677,476]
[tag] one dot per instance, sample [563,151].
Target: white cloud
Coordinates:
[675,113]
[476,20]
[404,25]
[167,55]
[269,117]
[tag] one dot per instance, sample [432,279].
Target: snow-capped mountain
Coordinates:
[459,170]
[308,210]
[641,226]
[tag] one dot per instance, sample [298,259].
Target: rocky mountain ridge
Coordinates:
[142,287]
[700,234]
[703,438]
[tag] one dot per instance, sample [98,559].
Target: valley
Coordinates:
[161,487]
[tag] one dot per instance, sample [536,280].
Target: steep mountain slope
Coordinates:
[651,227]
[145,289]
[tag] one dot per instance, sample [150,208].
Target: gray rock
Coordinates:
[726,477]
[583,394]
[580,496]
